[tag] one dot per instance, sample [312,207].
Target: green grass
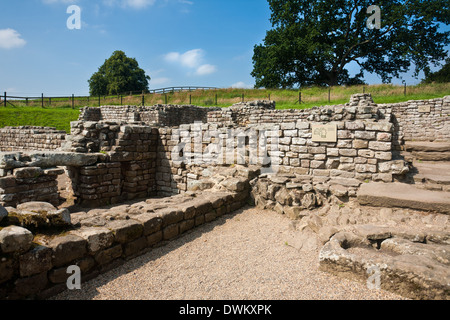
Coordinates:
[58,118]
[58,112]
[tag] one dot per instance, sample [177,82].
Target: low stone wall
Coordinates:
[36,265]
[264,112]
[158,115]
[30,184]
[30,138]
[421,120]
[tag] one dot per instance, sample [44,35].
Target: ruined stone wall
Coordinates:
[264,112]
[30,184]
[129,166]
[30,138]
[421,120]
[362,152]
[160,115]
[35,266]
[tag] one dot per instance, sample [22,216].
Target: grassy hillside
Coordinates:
[58,112]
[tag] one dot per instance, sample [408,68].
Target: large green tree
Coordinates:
[118,74]
[313,41]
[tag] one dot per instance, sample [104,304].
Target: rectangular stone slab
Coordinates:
[403,196]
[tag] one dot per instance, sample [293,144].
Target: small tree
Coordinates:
[118,74]
[441,76]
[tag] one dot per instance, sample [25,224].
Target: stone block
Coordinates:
[15,239]
[97,238]
[151,222]
[35,261]
[108,255]
[380,146]
[67,249]
[125,230]
[170,232]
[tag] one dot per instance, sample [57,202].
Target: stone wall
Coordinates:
[30,138]
[264,112]
[30,184]
[35,266]
[128,170]
[159,115]
[421,120]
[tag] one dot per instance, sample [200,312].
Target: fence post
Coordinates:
[121,100]
[216,99]
[243,98]
[42,100]
[269,96]
[73,101]
[329,94]
[143,100]
[300,97]
[49,101]
[404,90]
[99,101]
[190,99]
[4,100]
[26,101]
[165,98]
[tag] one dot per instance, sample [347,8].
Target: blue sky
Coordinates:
[177,42]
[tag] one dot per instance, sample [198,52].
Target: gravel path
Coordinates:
[244,256]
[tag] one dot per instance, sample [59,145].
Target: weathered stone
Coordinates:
[3,213]
[35,261]
[125,230]
[108,255]
[36,206]
[15,239]
[283,197]
[67,249]
[326,232]
[371,232]
[7,268]
[309,201]
[97,238]
[339,190]
[26,287]
[152,222]
[28,173]
[293,213]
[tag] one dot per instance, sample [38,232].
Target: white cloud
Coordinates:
[10,38]
[139,4]
[59,1]
[134,4]
[193,59]
[190,59]
[241,85]
[205,70]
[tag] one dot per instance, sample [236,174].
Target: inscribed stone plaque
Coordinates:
[424,109]
[324,133]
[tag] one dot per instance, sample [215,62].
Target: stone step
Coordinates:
[427,151]
[403,195]
[433,174]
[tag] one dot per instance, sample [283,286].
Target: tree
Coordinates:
[118,74]
[441,76]
[313,41]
